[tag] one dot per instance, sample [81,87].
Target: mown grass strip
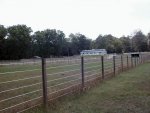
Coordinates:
[128,92]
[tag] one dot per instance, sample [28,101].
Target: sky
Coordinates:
[88,17]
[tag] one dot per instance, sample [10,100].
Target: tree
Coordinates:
[66,49]
[126,43]
[99,43]
[139,41]
[107,42]
[3,33]
[148,41]
[18,41]
[49,42]
[79,42]
[118,45]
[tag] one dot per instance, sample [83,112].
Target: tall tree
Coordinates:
[79,42]
[118,45]
[126,43]
[3,33]
[148,41]
[139,41]
[108,42]
[49,42]
[18,41]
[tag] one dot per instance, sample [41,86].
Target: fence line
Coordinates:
[19,80]
[21,87]
[21,103]
[63,78]
[20,95]
[64,83]
[91,69]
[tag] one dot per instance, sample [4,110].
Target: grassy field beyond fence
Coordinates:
[22,85]
[128,92]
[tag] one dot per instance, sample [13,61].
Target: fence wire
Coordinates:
[21,83]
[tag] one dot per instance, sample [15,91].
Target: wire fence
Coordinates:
[28,84]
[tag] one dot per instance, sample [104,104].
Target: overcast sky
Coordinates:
[89,17]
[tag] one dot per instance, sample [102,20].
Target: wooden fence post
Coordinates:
[127,62]
[135,61]
[44,83]
[121,63]
[139,59]
[143,58]
[102,61]
[114,65]
[82,70]
[131,62]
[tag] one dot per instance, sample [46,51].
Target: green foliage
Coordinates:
[139,41]
[48,42]
[3,33]
[16,42]
[126,43]
[108,42]
[79,42]
[148,41]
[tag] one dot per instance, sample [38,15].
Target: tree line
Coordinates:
[19,41]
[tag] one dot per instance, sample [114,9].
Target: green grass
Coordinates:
[128,92]
[15,76]
[60,67]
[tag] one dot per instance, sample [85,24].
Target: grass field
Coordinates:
[22,83]
[19,83]
[128,92]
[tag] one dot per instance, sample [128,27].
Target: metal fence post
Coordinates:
[102,61]
[44,83]
[82,70]
[127,62]
[121,62]
[114,63]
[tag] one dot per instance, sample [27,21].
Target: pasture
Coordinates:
[129,92]
[21,83]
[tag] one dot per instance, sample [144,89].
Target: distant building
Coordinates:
[93,52]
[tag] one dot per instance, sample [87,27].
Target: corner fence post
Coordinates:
[82,70]
[121,63]
[102,61]
[44,83]
[114,65]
